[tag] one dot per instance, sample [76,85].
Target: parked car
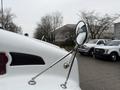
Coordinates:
[88,48]
[22,58]
[110,50]
[31,64]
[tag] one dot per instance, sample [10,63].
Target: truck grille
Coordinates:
[99,51]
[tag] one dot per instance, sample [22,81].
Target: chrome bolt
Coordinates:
[66,65]
[32,82]
[63,86]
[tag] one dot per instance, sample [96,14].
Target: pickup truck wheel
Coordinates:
[81,53]
[94,56]
[114,56]
[91,52]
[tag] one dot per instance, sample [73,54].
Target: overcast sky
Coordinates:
[29,12]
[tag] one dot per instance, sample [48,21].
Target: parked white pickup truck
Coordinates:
[111,50]
[88,48]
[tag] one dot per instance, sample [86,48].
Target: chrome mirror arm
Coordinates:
[81,32]
[64,85]
[33,82]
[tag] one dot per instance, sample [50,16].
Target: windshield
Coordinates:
[113,43]
[92,41]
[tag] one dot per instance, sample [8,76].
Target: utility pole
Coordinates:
[2,14]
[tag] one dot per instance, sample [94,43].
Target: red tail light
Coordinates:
[3,62]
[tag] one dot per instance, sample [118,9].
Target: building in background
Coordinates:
[65,35]
[117,30]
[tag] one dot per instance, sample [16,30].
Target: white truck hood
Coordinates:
[105,47]
[89,45]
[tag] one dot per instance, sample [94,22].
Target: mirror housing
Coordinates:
[81,32]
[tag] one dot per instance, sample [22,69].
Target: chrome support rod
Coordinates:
[64,85]
[33,82]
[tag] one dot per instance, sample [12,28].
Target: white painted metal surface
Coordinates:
[17,77]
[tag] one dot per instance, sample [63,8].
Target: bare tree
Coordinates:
[48,24]
[98,24]
[57,20]
[44,28]
[7,21]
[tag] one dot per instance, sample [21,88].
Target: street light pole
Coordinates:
[2,13]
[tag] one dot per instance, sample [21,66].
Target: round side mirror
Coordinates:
[81,32]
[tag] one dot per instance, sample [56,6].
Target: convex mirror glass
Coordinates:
[81,32]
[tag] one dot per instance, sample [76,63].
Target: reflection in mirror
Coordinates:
[79,27]
[81,32]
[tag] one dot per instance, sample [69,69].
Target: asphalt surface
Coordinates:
[98,74]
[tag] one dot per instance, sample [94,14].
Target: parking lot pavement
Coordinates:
[96,74]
